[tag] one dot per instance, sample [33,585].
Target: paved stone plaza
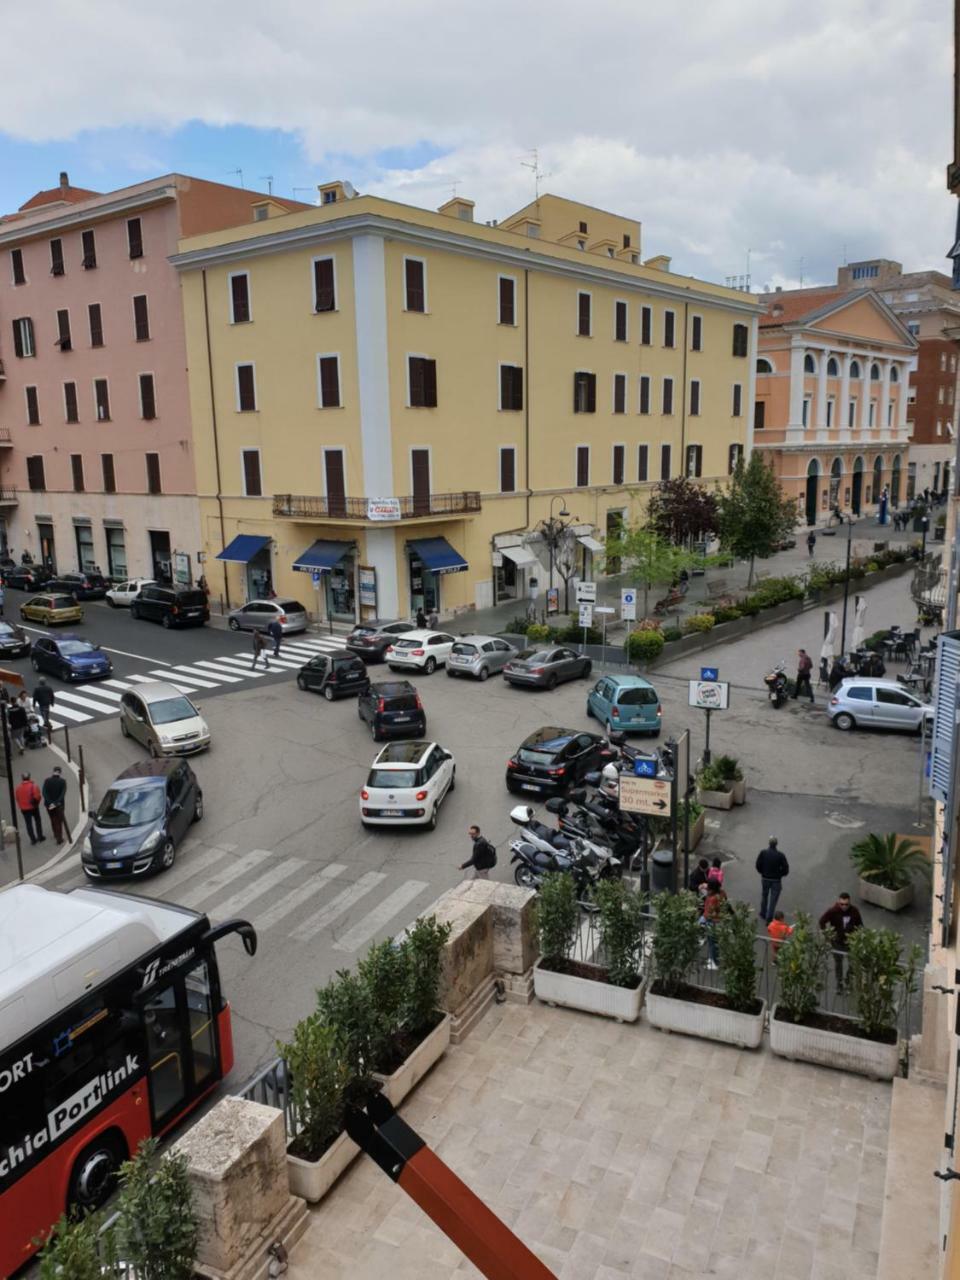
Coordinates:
[621,1151]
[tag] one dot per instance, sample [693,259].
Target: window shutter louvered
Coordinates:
[17,339]
[946,703]
[591,393]
[430,383]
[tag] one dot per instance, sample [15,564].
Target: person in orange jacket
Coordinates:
[28,802]
[778,930]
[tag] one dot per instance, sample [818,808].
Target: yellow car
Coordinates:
[51,610]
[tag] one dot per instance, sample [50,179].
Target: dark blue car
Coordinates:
[70,658]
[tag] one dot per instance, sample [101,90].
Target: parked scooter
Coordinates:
[776,682]
[540,850]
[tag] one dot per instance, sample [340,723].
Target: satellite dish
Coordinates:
[349,191]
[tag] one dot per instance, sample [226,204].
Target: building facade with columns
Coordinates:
[831,400]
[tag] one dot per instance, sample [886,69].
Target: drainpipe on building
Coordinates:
[683,396]
[527,389]
[216,437]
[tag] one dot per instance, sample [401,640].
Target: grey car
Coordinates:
[862,703]
[371,640]
[545,668]
[256,615]
[479,656]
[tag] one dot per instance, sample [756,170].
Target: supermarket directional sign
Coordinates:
[650,796]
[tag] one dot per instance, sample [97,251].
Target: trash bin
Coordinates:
[662,877]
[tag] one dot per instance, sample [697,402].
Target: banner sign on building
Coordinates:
[383,508]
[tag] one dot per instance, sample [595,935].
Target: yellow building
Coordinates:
[397,398]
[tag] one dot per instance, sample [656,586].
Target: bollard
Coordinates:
[82,780]
[66,742]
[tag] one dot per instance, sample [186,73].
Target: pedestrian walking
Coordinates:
[17,722]
[275,632]
[421,619]
[842,919]
[54,793]
[260,649]
[804,671]
[28,799]
[811,542]
[43,700]
[778,931]
[713,909]
[698,878]
[483,857]
[433,620]
[772,867]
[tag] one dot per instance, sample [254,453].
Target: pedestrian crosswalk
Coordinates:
[290,897]
[100,700]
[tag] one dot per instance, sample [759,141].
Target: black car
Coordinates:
[26,577]
[13,641]
[142,818]
[82,586]
[369,640]
[171,606]
[393,709]
[552,759]
[335,675]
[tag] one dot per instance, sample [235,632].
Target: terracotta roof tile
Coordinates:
[71,195]
[789,308]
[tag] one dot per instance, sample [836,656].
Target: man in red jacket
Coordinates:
[28,802]
[841,919]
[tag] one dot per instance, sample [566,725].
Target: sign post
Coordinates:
[606,612]
[710,694]
[650,797]
[681,770]
[628,605]
[586,620]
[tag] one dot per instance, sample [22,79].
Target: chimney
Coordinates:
[64,180]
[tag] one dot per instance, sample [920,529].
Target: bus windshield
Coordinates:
[131,806]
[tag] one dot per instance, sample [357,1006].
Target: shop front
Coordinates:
[116,548]
[428,561]
[83,533]
[48,553]
[333,568]
[253,552]
[516,572]
[160,557]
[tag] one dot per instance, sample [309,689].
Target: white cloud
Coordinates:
[790,130]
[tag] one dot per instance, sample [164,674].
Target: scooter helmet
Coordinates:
[610,773]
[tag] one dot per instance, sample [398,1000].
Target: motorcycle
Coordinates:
[613,836]
[540,850]
[776,682]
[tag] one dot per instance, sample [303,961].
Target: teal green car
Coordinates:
[626,704]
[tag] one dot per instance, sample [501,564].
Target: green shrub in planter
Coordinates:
[319,1078]
[882,975]
[384,972]
[728,768]
[537,632]
[676,942]
[423,948]
[558,917]
[888,861]
[776,591]
[644,646]
[518,625]
[820,576]
[737,942]
[664,826]
[727,613]
[621,924]
[344,1003]
[671,633]
[801,968]
[572,633]
[711,779]
[157,1230]
[857,571]
[698,623]
[748,607]
[872,566]
[71,1250]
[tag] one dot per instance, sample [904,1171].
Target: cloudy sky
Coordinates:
[800,132]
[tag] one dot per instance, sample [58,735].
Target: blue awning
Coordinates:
[437,555]
[243,548]
[322,556]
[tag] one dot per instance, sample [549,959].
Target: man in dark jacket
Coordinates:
[841,919]
[772,866]
[43,699]
[804,671]
[54,797]
[483,857]
[275,632]
[698,877]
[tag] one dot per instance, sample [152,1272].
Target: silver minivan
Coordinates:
[862,703]
[164,720]
[479,656]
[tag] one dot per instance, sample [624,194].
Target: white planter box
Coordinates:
[411,1072]
[697,828]
[739,789]
[706,1021]
[312,1179]
[585,994]
[715,799]
[833,1049]
[889,899]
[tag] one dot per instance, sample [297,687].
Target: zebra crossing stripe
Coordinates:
[119,684]
[98,691]
[375,920]
[207,682]
[282,870]
[297,897]
[219,879]
[218,671]
[337,906]
[193,864]
[240,664]
[78,717]
[103,707]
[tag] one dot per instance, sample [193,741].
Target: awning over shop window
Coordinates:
[243,548]
[523,557]
[591,544]
[437,555]
[323,556]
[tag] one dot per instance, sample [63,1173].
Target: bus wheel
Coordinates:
[95,1173]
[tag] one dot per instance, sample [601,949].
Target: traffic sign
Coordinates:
[711,695]
[604,609]
[628,604]
[317,576]
[645,768]
[709,673]
[586,593]
[650,796]
[586,615]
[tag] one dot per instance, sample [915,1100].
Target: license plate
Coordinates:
[113,866]
[193,613]
[399,719]
[529,786]
[391,813]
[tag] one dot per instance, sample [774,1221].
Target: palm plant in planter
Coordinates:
[887,866]
[728,767]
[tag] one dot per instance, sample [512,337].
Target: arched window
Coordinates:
[813,467]
[854,368]
[764,365]
[894,373]
[874,373]
[833,369]
[809,364]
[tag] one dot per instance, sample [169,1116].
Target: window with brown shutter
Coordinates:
[618,463]
[620,321]
[694,397]
[667,395]
[696,333]
[101,397]
[108,472]
[56,258]
[153,473]
[70,405]
[669,329]
[759,415]
[644,393]
[63,331]
[35,477]
[246,388]
[741,337]
[252,481]
[335,482]
[423,382]
[643,462]
[135,237]
[508,300]
[583,466]
[96,324]
[329,382]
[619,393]
[737,399]
[76,467]
[511,387]
[646,326]
[239,298]
[508,470]
[664,462]
[626,241]
[583,315]
[420,474]
[16,264]
[414,275]
[33,406]
[141,318]
[324,285]
[584,393]
[89,244]
[148,397]
[583,228]
[23,343]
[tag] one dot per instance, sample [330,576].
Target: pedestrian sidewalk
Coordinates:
[36,859]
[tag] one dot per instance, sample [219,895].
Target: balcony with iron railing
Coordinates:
[5,438]
[8,496]
[430,506]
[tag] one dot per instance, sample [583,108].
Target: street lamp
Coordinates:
[849,520]
[924,526]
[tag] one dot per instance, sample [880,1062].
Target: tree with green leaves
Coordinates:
[158,1223]
[682,511]
[754,515]
[648,559]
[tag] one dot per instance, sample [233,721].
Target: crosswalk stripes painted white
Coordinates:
[189,676]
[337,906]
[375,920]
[78,717]
[297,897]
[192,863]
[229,675]
[231,663]
[86,701]
[282,870]
[221,878]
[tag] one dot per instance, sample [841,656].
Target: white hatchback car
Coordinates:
[421,650]
[408,782]
[862,703]
[119,597]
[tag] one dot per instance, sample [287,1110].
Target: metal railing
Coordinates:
[269,1087]
[5,437]
[297,506]
[8,494]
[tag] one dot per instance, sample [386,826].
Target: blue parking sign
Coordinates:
[709,673]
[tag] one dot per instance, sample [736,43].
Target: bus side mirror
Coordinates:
[248,936]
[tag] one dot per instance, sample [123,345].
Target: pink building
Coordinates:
[96,444]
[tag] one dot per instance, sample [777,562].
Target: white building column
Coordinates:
[843,406]
[884,405]
[904,385]
[863,405]
[797,354]
[820,411]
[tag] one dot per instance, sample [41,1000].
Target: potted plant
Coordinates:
[713,789]
[887,866]
[728,767]
[732,1016]
[614,990]
[697,820]
[74,1248]
[318,1076]
[157,1227]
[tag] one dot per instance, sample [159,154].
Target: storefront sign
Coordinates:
[497,559]
[553,600]
[383,508]
[368,587]
[181,567]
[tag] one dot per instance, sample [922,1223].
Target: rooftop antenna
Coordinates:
[746,285]
[844,254]
[236,173]
[534,166]
[453,189]
[268,179]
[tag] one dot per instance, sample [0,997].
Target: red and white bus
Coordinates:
[112,1028]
